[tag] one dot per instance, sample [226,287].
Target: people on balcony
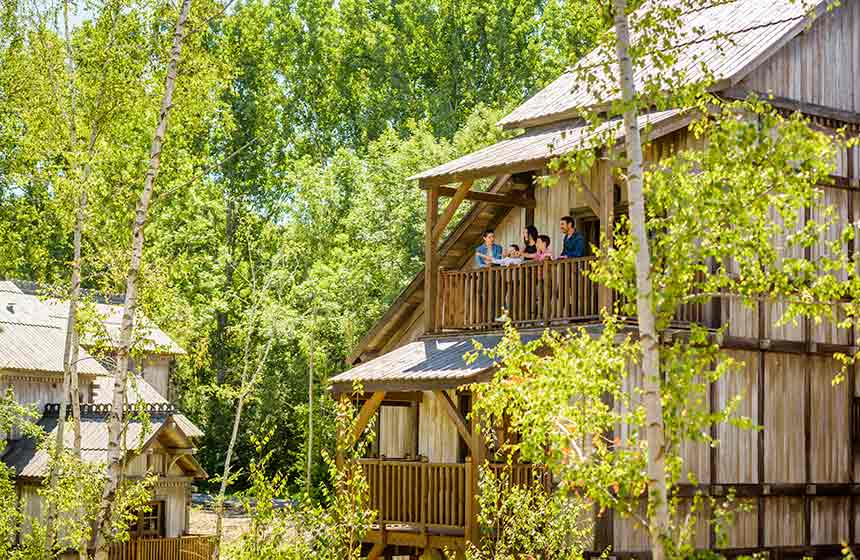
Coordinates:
[543,253]
[530,236]
[488,251]
[573,241]
[510,257]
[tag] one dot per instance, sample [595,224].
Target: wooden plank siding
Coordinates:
[795,475]
[818,66]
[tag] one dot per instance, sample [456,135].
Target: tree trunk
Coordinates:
[247,386]
[115,459]
[71,348]
[657,496]
[310,423]
[221,316]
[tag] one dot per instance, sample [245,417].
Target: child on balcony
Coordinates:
[489,251]
[543,252]
[510,256]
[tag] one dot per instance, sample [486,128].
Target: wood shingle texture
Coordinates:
[726,40]
[30,460]
[427,364]
[31,340]
[537,146]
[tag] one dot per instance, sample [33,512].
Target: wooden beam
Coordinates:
[431,262]
[448,406]
[368,409]
[789,104]
[590,198]
[479,456]
[607,219]
[376,551]
[511,200]
[453,205]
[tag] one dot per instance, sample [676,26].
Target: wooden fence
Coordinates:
[529,294]
[522,475]
[195,547]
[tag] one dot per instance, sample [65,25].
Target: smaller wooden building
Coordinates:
[32,343]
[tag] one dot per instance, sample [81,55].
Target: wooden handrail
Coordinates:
[431,495]
[530,294]
[191,547]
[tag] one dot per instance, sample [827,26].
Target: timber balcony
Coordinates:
[192,547]
[536,294]
[432,497]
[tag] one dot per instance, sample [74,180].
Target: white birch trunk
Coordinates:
[115,459]
[658,511]
[245,389]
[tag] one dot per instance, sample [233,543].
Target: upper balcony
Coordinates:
[534,294]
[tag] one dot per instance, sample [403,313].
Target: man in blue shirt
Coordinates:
[488,251]
[573,245]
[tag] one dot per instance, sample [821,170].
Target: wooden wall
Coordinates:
[175,496]
[38,390]
[397,425]
[820,65]
[438,439]
[804,441]
[175,493]
[156,372]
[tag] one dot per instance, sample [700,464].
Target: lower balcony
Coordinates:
[417,500]
[192,547]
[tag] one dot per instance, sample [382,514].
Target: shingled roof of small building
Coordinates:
[29,460]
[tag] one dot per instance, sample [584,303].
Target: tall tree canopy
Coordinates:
[295,124]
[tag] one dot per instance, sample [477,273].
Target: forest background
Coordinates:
[294,127]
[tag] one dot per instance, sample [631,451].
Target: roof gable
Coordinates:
[730,39]
[30,461]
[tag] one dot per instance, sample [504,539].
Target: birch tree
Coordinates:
[115,464]
[652,396]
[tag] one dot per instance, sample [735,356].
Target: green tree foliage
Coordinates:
[528,521]
[294,127]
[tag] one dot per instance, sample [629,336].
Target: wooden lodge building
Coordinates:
[799,475]
[32,343]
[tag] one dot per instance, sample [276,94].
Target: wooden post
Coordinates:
[431,278]
[479,456]
[607,219]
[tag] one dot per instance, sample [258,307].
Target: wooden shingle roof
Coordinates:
[30,460]
[729,39]
[433,363]
[536,147]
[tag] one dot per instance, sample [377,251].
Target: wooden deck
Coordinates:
[530,294]
[194,547]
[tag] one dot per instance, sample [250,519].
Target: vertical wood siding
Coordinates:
[785,405]
[783,521]
[437,437]
[829,435]
[397,431]
[737,459]
[818,66]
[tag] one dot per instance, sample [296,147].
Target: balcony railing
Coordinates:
[535,294]
[426,495]
[432,495]
[195,547]
[529,294]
